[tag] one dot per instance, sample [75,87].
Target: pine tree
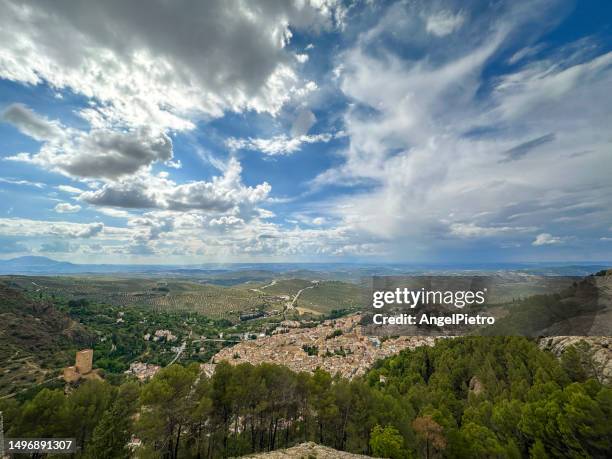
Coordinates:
[112,434]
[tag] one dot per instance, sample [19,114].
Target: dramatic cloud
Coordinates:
[152,64]
[435,142]
[222,194]
[443,130]
[98,153]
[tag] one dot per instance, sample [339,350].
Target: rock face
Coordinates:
[307,451]
[600,350]
[476,386]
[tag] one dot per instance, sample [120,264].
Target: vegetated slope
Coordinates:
[329,295]
[211,300]
[214,301]
[470,397]
[35,339]
[592,353]
[583,308]
[318,296]
[163,295]
[499,397]
[287,287]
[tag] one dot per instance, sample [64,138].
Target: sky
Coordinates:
[316,130]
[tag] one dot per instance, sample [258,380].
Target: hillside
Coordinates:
[175,295]
[593,352]
[35,339]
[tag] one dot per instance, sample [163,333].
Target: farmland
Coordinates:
[214,301]
[329,295]
[191,295]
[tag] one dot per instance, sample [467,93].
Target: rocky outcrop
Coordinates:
[476,386]
[599,349]
[307,451]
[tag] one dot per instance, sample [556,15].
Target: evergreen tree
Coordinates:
[112,434]
[386,442]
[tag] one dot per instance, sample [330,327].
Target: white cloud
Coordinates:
[278,145]
[174,164]
[226,221]
[173,236]
[13,181]
[66,208]
[542,85]
[430,135]
[433,141]
[98,153]
[86,231]
[31,124]
[69,189]
[24,227]
[546,239]
[223,194]
[471,230]
[116,213]
[155,66]
[444,23]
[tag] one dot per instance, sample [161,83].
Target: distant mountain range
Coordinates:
[36,265]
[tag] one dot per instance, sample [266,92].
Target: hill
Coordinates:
[35,339]
[31,264]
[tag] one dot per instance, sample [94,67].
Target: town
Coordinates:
[337,346]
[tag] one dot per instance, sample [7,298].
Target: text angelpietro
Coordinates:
[415,297]
[440,321]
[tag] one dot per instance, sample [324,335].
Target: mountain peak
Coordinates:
[34,264]
[34,260]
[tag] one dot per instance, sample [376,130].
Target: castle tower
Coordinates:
[84,361]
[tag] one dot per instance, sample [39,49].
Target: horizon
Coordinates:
[566,263]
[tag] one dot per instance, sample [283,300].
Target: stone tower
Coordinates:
[84,361]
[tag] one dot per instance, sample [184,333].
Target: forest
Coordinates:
[498,397]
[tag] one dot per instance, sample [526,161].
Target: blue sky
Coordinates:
[416,131]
